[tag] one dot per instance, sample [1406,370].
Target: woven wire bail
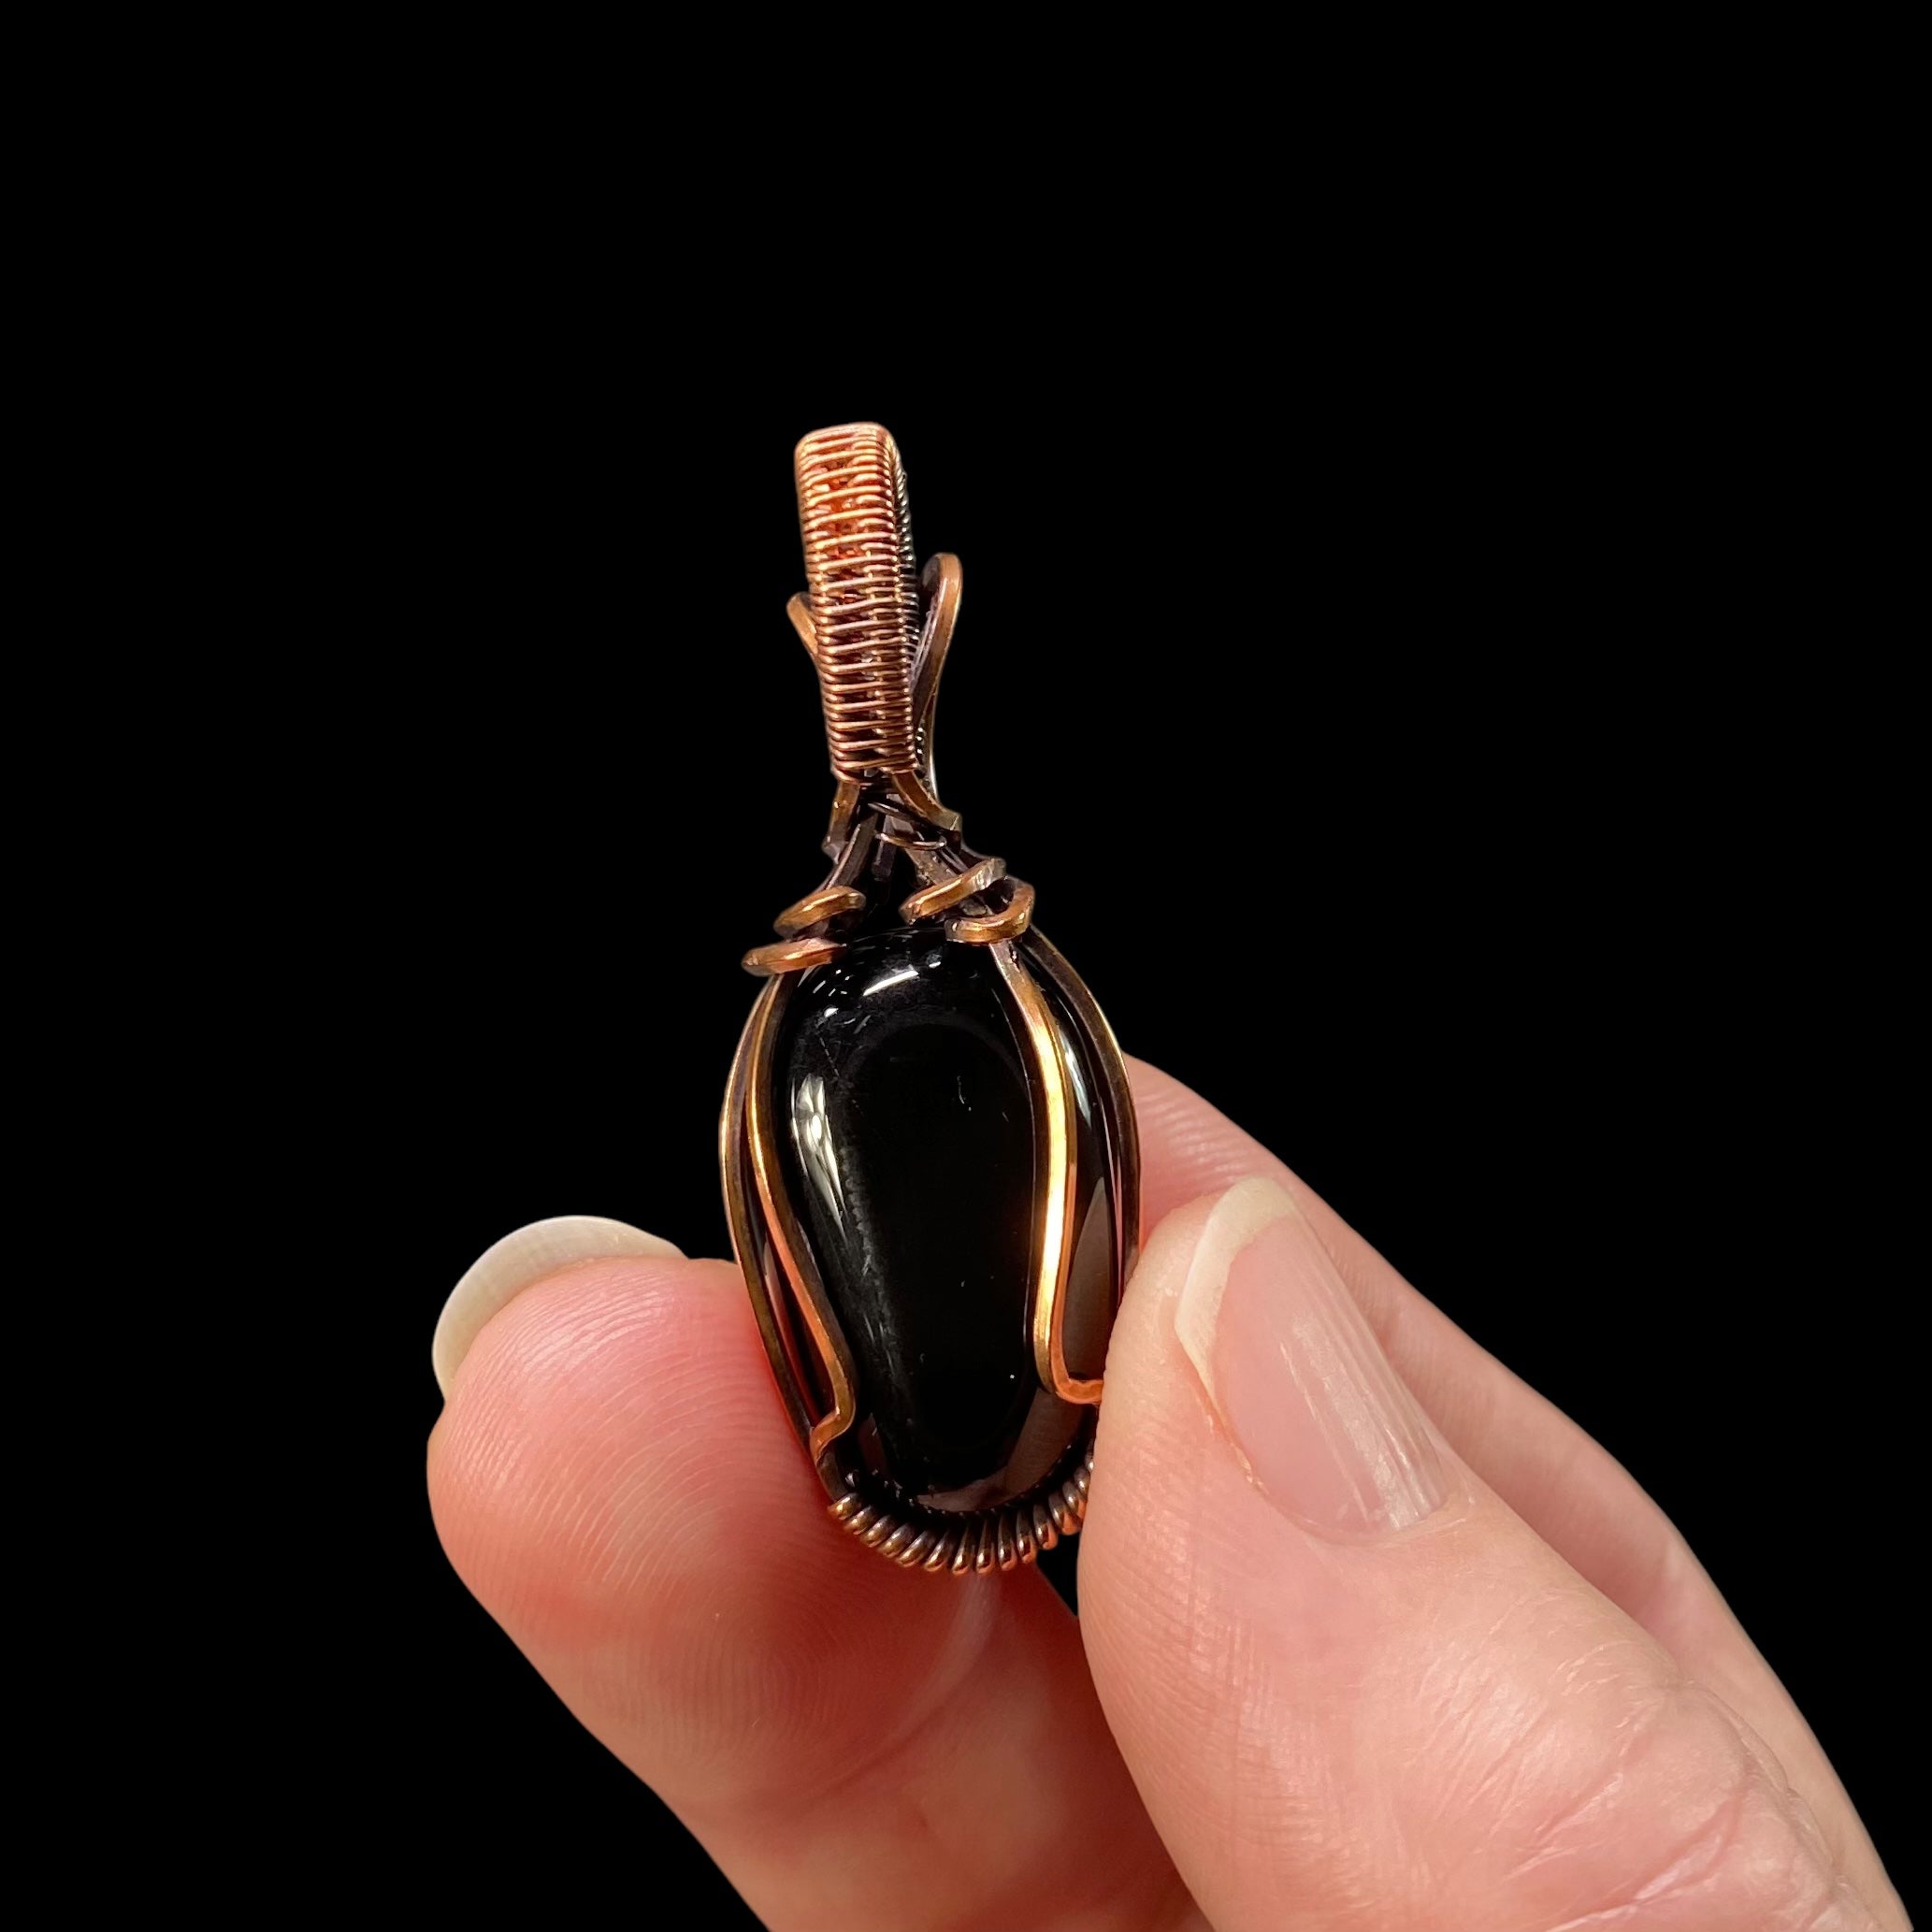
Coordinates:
[863,585]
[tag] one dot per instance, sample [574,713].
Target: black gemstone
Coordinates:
[906,1109]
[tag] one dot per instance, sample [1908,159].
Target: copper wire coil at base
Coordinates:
[995,1539]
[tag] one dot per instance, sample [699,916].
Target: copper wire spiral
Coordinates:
[864,590]
[996,1539]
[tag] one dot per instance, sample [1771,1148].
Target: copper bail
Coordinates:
[877,643]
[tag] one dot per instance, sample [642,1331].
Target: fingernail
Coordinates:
[500,1274]
[1324,1424]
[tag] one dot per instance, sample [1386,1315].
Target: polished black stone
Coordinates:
[908,1140]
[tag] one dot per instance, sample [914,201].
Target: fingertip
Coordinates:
[516,1263]
[616,1481]
[600,1396]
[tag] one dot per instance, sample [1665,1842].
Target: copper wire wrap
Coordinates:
[878,632]
[991,1539]
[864,590]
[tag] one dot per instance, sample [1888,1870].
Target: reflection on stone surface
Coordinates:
[905,1106]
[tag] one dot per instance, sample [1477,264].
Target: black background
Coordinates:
[1403,730]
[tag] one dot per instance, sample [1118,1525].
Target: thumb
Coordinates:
[1354,1688]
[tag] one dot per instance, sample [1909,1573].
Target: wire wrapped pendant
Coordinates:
[928,1142]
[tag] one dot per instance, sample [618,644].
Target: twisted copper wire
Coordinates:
[864,590]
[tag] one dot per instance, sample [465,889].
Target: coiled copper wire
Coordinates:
[864,590]
[989,1540]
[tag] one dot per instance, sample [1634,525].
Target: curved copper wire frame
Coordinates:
[878,636]
[1059,1164]
[789,1247]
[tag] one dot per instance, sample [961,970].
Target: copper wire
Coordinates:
[999,1538]
[864,589]
[946,893]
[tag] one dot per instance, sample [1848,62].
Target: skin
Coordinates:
[1532,1712]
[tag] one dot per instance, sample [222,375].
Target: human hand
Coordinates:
[1342,1661]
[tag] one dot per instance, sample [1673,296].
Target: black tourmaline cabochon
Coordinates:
[906,1130]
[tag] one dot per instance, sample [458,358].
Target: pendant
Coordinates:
[928,1142]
